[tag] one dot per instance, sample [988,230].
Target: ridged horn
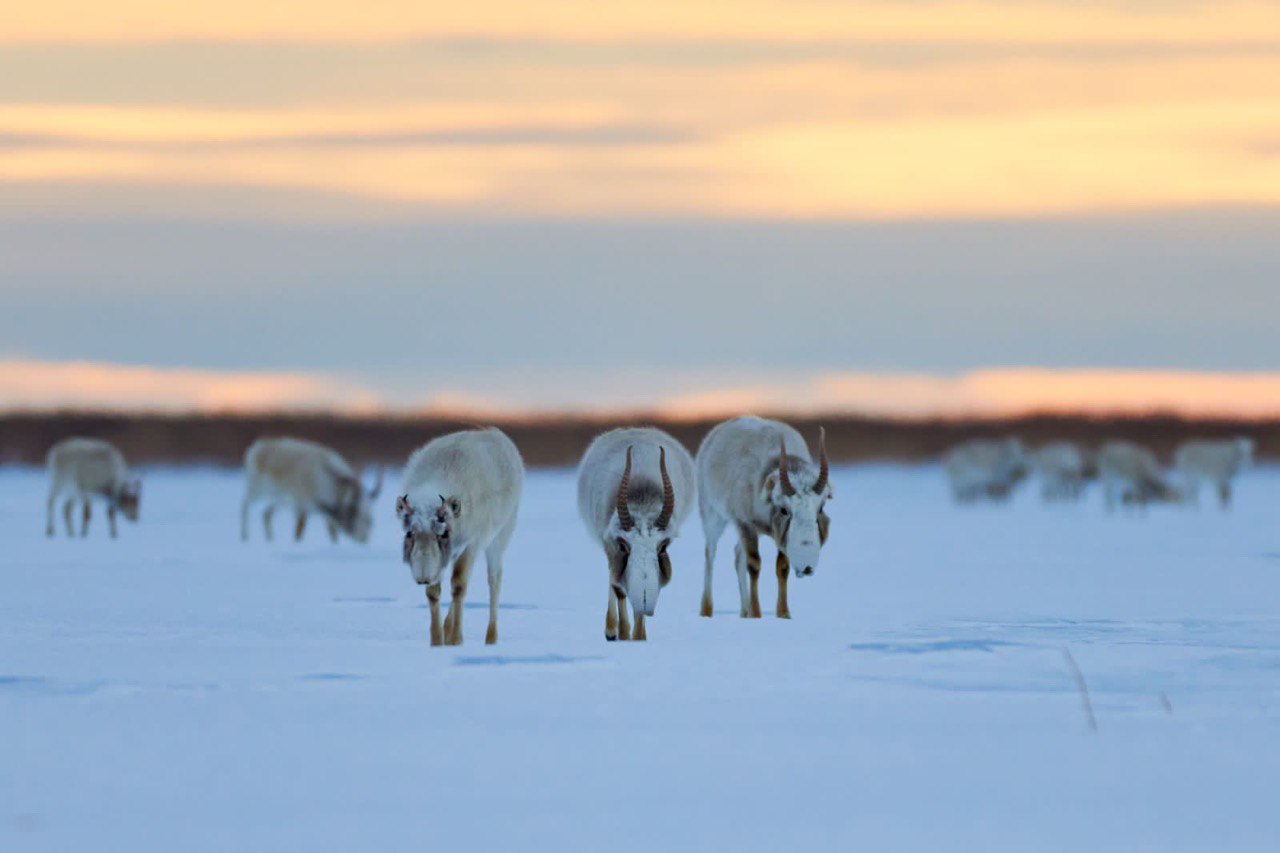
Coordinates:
[668,493]
[783,476]
[624,512]
[823,466]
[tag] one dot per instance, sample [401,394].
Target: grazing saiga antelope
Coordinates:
[985,469]
[1064,470]
[635,488]
[1213,462]
[309,477]
[1132,476]
[758,475]
[461,497]
[86,468]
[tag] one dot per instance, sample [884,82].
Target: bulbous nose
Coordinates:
[804,571]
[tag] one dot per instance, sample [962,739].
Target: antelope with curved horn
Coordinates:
[634,516]
[461,497]
[758,475]
[308,477]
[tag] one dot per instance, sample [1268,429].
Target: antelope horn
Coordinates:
[823,466]
[624,512]
[783,476]
[668,494]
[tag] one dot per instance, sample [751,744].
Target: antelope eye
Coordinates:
[783,511]
[624,546]
[662,549]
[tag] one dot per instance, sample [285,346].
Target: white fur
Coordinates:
[461,496]
[738,483]
[599,475]
[308,478]
[1064,470]
[1213,462]
[1131,475]
[86,468]
[985,469]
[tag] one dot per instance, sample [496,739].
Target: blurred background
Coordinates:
[367,222]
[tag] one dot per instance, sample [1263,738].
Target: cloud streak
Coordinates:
[30,385]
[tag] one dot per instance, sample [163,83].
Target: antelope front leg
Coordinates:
[300,526]
[783,569]
[751,556]
[111,520]
[458,593]
[84,524]
[624,624]
[433,600]
[495,587]
[639,633]
[66,516]
[611,616]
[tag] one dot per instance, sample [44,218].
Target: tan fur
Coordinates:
[624,620]
[433,599]
[783,569]
[639,633]
[458,596]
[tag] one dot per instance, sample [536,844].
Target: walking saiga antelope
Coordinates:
[86,468]
[758,475]
[461,497]
[1213,462]
[310,478]
[1131,475]
[635,488]
[985,469]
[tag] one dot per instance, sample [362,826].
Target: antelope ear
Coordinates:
[404,510]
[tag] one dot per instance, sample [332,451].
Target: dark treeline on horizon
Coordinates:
[148,439]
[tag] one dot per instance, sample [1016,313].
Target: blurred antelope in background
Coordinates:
[1132,476]
[635,488]
[461,497]
[985,469]
[308,477]
[87,468]
[1213,462]
[1064,470]
[758,475]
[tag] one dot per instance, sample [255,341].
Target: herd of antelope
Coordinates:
[461,496]
[1131,476]
[636,487]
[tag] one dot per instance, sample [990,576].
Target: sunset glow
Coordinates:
[864,110]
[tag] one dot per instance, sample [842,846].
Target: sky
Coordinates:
[694,207]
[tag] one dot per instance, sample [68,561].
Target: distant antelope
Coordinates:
[1213,462]
[635,488]
[461,497]
[1132,476]
[308,477]
[985,469]
[758,475]
[1064,470]
[86,468]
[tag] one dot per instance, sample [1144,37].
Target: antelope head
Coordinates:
[128,498]
[637,538]
[430,536]
[796,496]
[352,509]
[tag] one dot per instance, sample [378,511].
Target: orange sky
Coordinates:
[758,109]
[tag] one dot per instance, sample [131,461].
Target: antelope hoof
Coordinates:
[612,638]
[491,636]
[706,608]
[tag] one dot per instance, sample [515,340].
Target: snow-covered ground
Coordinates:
[178,690]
